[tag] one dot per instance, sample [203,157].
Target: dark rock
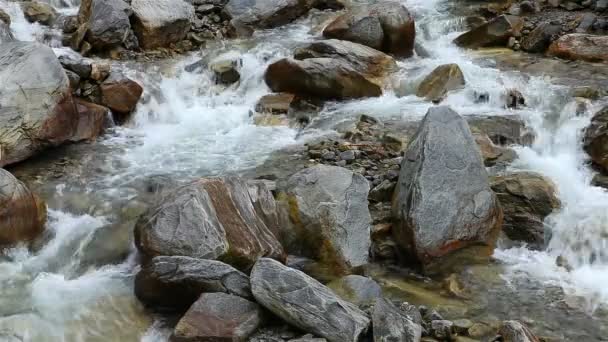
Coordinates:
[39,12]
[595,141]
[392,324]
[493,33]
[540,38]
[266,13]
[442,330]
[226,69]
[81,66]
[108,24]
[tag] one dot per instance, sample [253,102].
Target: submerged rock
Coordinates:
[443,201]
[496,32]
[581,46]
[514,331]
[305,303]
[438,83]
[595,141]
[356,289]
[160,23]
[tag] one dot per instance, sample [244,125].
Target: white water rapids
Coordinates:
[186,127]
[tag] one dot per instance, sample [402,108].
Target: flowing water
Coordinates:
[186,127]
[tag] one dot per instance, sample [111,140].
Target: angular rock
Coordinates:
[226,68]
[540,38]
[514,331]
[108,24]
[4,17]
[5,30]
[39,12]
[121,94]
[73,62]
[212,218]
[392,324]
[275,103]
[106,245]
[305,303]
[36,107]
[443,201]
[330,211]
[266,13]
[386,26]
[356,289]
[22,213]
[160,23]
[595,141]
[493,155]
[218,317]
[91,120]
[186,279]
[496,32]
[438,83]
[580,46]
[526,199]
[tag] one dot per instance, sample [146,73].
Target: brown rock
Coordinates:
[438,83]
[275,103]
[121,94]
[493,33]
[91,119]
[595,141]
[580,46]
[39,12]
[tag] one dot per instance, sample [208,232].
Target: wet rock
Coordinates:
[5,30]
[218,317]
[540,38]
[514,99]
[442,329]
[36,108]
[105,245]
[74,80]
[22,213]
[502,130]
[211,218]
[438,83]
[39,12]
[266,13]
[5,18]
[308,338]
[580,46]
[275,103]
[226,69]
[121,94]
[330,211]
[386,26]
[356,289]
[392,324]
[526,199]
[595,141]
[496,32]
[160,23]
[73,62]
[443,201]
[91,120]
[305,303]
[514,331]
[108,24]
[600,180]
[186,279]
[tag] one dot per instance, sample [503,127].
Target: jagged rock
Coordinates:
[356,289]
[330,210]
[39,12]
[540,38]
[22,213]
[514,331]
[442,329]
[91,120]
[5,18]
[218,317]
[438,83]
[266,13]
[81,66]
[492,154]
[226,68]
[386,26]
[108,24]
[5,28]
[502,130]
[595,141]
[392,324]
[120,93]
[580,46]
[275,103]
[106,245]
[514,99]
[443,201]
[496,32]
[211,218]
[159,23]
[305,303]
[526,199]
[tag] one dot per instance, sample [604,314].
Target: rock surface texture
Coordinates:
[159,23]
[596,139]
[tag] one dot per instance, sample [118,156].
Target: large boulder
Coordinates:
[580,46]
[108,23]
[595,141]
[438,83]
[496,32]
[392,324]
[211,218]
[218,317]
[185,279]
[22,213]
[266,13]
[526,199]
[36,107]
[330,211]
[305,303]
[159,23]
[386,26]
[443,201]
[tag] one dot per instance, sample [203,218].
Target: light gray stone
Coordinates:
[159,23]
[391,324]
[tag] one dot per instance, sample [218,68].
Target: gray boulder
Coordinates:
[443,201]
[305,303]
[266,13]
[108,24]
[330,210]
[496,32]
[392,324]
[185,279]
[160,23]
[356,289]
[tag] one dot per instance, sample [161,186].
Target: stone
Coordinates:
[23,213]
[492,154]
[91,120]
[442,329]
[160,23]
[36,107]
[212,218]
[218,317]
[580,46]
[595,140]
[392,324]
[514,99]
[305,303]
[5,18]
[386,26]
[39,12]
[120,93]
[496,32]
[526,199]
[186,279]
[73,62]
[106,245]
[438,83]
[600,180]
[514,331]
[5,30]
[226,68]
[356,289]
[266,13]
[443,201]
[328,205]
[275,103]
[108,24]
[540,38]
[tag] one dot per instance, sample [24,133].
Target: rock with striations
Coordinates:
[440,81]
[36,107]
[218,317]
[515,331]
[443,201]
[22,213]
[595,141]
[330,211]
[392,324]
[580,46]
[108,24]
[386,26]
[160,23]
[526,199]
[186,279]
[496,32]
[266,13]
[211,218]
[305,303]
